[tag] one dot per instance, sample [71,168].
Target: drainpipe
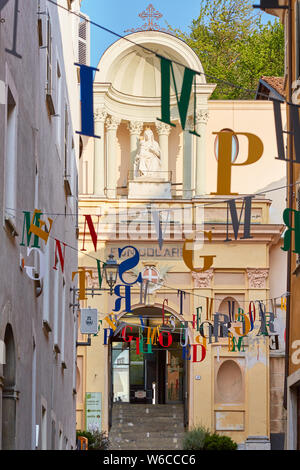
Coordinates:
[290,197]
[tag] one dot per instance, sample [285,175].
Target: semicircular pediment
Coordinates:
[134,71]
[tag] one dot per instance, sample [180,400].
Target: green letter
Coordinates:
[183,102]
[27,223]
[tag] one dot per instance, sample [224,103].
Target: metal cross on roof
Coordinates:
[150,15]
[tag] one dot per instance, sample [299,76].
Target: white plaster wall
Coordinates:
[36,147]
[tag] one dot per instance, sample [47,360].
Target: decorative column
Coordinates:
[187,164]
[201,124]
[99,156]
[112,124]
[135,128]
[163,131]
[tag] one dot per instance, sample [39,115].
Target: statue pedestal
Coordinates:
[149,188]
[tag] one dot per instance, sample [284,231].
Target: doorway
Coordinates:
[155,377]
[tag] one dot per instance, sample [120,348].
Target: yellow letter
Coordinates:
[255,151]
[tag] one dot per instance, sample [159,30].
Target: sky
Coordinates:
[119,15]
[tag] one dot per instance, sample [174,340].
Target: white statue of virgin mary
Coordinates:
[147,162]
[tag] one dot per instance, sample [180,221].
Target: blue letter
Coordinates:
[87,102]
[129,264]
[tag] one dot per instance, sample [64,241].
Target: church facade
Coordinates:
[151,190]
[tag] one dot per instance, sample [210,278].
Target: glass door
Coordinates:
[120,372]
[174,376]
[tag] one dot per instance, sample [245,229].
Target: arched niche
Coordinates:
[9,394]
[226,305]
[229,384]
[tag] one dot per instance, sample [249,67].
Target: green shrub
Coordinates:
[217,442]
[97,440]
[195,438]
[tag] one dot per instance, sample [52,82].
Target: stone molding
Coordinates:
[112,123]
[203,280]
[257,278]
[135,127]
[163,128]
[100,115]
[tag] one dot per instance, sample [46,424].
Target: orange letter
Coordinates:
[81,273]
[188,256]
[255,151]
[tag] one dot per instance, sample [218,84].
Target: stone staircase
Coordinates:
[146,427]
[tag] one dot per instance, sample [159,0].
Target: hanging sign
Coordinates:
[89,321]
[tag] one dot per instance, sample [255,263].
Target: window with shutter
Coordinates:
[49,53]
[66,172]
[82,42]
[49,88]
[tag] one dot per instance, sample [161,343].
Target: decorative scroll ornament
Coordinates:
[135,127]
[150,15]
[100,115]
[163,128]
[202,116]
[203,279]
[257,278]
[112,123]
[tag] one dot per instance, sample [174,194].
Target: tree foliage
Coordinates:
[234,45]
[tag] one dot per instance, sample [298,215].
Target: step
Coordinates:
[147,427]
[134,435]
[147,444]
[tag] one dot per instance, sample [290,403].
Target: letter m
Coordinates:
[233,343]
[183,101]
[231,206]
[26,225]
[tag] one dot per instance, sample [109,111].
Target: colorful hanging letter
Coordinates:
[87,100]
[183,102]
[225,164]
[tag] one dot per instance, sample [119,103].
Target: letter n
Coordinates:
[231,205]
[61,255]
[183,102]
[88,220]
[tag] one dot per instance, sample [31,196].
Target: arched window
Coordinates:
[9,395]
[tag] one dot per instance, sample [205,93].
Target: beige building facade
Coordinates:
[233,390]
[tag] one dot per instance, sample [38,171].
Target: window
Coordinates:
[66,139]
[44,428]
[10,171]
[53,434]
[49,56]
[9,395]
[60,440]
[58,106]
[83,41]
[63,321]
[46,289]
[56,311]
[49,99]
